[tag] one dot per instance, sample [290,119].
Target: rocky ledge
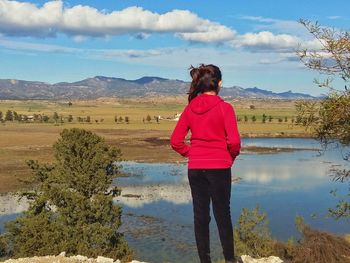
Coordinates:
[82,259]
[61,258]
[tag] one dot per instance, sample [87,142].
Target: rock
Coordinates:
[79,257]
[271,259]
[62,254]
[83,259]
[104,260]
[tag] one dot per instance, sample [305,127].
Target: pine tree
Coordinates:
[15,116]
[9,116]
[55,117]
[72,206]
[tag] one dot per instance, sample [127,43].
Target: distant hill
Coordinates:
[100,86]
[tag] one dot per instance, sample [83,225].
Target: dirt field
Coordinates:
[139,140]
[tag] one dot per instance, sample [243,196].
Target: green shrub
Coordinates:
[72,207]
[252,236]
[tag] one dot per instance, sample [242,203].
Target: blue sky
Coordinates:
[252,41]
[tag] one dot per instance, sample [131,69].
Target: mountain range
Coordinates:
[100,86]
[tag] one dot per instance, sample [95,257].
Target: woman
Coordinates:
[215,143]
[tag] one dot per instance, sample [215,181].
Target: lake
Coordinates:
[157,209]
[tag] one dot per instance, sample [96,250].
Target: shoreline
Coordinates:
[153,149]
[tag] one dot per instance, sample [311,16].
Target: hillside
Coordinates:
[100,86]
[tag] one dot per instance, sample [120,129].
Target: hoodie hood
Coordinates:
[204,103]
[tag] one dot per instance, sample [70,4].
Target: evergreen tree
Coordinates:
[45,118]
[55,117]
[9,116]
[88,119]
[15,116]
[264,117]
[72,207]
[148,118]
[127,119]
[70,118]
[253,118]
[245,118]
[1,115]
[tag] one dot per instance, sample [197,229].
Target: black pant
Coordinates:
[214,185]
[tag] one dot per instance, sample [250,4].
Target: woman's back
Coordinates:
[213,128]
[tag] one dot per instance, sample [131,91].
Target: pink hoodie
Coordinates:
[215,140]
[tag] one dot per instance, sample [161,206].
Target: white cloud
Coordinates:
[278,26]
[83,22]
[26,46]
[334,17]
[129,53]
[266,41]
[115,54]
[258,19]
[218,34]
[27,19]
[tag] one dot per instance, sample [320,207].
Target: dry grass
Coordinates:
[321,247]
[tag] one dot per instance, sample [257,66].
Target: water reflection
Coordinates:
[290,171]
[156,200]
[10,204]
[138,195]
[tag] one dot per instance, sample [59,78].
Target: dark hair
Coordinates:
[204,78]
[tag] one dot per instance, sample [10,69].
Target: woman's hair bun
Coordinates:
[194,72]
[204,78]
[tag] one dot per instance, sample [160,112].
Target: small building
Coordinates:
[177,116]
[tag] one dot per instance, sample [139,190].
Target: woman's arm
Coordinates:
[179,134]
[233,139]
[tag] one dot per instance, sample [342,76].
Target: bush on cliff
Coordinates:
[72,208]
[252,236]
[318,246]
